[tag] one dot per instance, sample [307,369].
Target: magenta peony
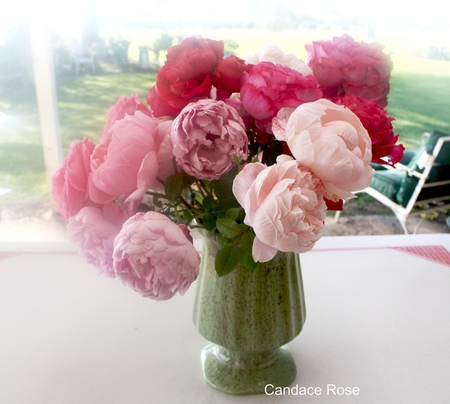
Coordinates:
[344,66]
[93,230]
[125,162]
[206,136]
[155,257]
[379,126]
[185,76]
[331,141]
[284,205]
[267,88]
[70,182]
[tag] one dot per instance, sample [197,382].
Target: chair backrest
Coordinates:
[430,168]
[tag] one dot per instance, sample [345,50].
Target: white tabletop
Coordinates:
[378,320]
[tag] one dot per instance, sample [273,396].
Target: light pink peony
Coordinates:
[125,163]
[331,141]
[205,136]
[344,66]
[275,55]
[284,205]
[93,230]
[155,257]
[69,183]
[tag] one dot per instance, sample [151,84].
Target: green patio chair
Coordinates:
[417,186]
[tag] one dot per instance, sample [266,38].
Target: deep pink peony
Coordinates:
[331,141]
[227,76]
[125,162]
[205,136]
[155,257]
[267,88]
[344,66]
[185,76]
[69,183]
[284,205]
[93,230]
[127,105]
[379,126]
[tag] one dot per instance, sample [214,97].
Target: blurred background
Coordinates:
[100,50]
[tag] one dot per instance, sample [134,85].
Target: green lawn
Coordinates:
[418,100]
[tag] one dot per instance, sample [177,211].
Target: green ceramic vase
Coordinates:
[249,316]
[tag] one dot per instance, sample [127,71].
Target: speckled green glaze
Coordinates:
[249,316]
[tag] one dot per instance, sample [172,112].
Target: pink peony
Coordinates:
[125,163]
[284,205]
[274,54]
[185,76]
[331,141]
[123,107]
[205,136]
[379,126]
[69,183]
[344,66]
[155,257]
[93,230]
[267,88]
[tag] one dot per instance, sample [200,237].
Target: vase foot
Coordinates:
[237,372]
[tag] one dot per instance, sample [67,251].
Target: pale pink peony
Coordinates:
[155,257]
[93,230]
[331,141]
[284,205]
[344,66]
[125,163]
[205,136]
[69,183]
[275,55]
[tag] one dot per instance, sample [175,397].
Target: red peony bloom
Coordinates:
[185,76]
[344,66]
[267,88]
[379,125]
[227,76]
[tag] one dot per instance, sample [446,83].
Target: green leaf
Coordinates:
[174,187]
[247,242]
[235,214]
[209,222]
[246,260]
[208,202]
[228,227]
[227,259]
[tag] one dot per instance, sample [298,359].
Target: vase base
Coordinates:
[247,372]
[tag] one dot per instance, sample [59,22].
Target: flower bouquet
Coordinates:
[253,152]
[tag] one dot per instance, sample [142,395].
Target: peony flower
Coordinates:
[206,136]
[155,257]
[69,183]
[284,205]
[267,88]
[344,66]
[274,54]
[123,107]
[331,141]
[227,76]
[93,230]
[125,162]
[185,76]
[379,126]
